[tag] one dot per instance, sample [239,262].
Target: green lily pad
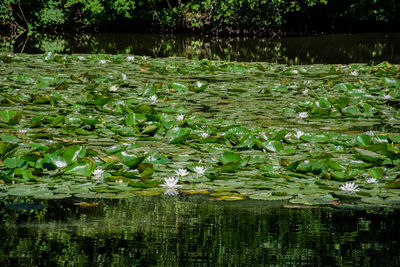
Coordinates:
[198,86]
[178,135]
[130,160]
[80,169]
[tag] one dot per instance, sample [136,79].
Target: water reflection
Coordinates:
[171,231]
[341,48]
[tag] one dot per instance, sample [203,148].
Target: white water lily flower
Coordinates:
[113,88]
[386,96]
[103,61]
[354,73]
[199,169]
[97,173]
[130,58]
[180,117]
[181,172]
[299,134]
[153,98]
[123,76]
[370,133]
[371,180]
[303,115]
[171,182]
[305,92]
[81,58]
[48,55]
[349,188]
[294,71]
[204,135]
[60,164]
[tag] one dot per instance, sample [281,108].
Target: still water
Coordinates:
[194,231]
[328,49]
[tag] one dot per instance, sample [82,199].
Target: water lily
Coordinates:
[386,96]
[349,188]
[180,117]
[354,73]
[153,99]
[181,172]
[98,173]
[60,164]
[370,133]
[199,169]
[371,180]
[303,115]
[103,61]
[299,134]
[123,76]
[171,182]
[48,55]
[130,58]
[81,58]
[113,88]
[294,71]
[204,135]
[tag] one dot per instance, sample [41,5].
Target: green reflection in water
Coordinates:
[328,49]
[168,231]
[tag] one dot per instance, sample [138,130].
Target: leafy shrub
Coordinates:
[230,16]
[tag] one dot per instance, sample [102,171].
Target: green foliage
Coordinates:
[373,10]
[229,16]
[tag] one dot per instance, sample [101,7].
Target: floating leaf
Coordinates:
[91,120]
[395,184]
[146,170]
[369,156]
[318,138]
[74,153]
[376,173]
[390,82]
[55,161]
[273,146]
[6,147]
[11,117]
[178,135]
[134,118]
[149,129]
[130,160]
[230,162]
[178,87]
[81,169]
[198,86]
[13,163]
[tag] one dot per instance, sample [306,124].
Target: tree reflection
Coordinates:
[329,49]
[169,231]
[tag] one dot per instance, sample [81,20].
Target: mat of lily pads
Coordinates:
[117,126]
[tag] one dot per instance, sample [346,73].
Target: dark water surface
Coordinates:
[194,231]
[329,49]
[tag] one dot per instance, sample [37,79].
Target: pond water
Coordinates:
[327,49]
[188,231]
